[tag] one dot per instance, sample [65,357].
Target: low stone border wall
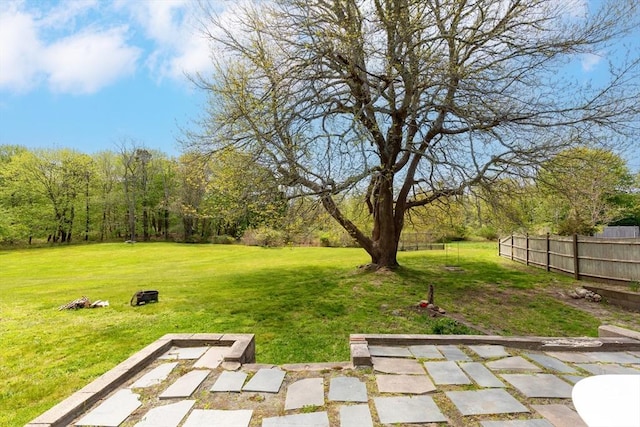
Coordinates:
[360,355]
[629,300]
[242,351]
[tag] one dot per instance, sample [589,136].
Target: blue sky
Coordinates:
[88,74]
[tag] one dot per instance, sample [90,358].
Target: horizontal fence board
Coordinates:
[609,260]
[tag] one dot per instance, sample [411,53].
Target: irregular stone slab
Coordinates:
[481,375]
[167,415]
[229,381]
[551,363]
[154,376]
[426,352]
[113,411]
[355,416]
[539,385]
[389,351]
[218,418]
[410,384]
[573,378]
[517,423]
[446,373]
[570,356]
[613,357]
[184,353]
[185,385]
[212,358]
[452,352]
[560,415]
[389,365]
[265,380]
[515,363]
[612,368]
[306,392]
[414,409]
[491,401]
[314,419]
[489,351]
[347,389]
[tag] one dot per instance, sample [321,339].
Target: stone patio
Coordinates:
[401,380]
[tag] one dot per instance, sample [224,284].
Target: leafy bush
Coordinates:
[448,326]
[263,236]
[223,240]
[488,233]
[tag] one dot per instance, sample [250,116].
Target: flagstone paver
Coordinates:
[388,351]
[355,416]
[113,411]
[489,351]
[408,384]
[560,415]
[573,378]
[218,418]
[230,381]
[184,353]
[186,384]
[452,352]
[265,380]
[390,365]
[155,376]
[515,363]
[614,357]
[306,392]
[551,363]
[481,402]
[539,385]
[481,375]
[446,373]
[517,423]
[212,358]
[347,389]
[166,415]
[313,419]
[425,352]
[570,356]
[412,409]
[607,369]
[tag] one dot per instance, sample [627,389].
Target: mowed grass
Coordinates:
[302,304]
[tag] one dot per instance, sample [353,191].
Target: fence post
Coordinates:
[527,249]
[512,247]
[576,262]
[548,254]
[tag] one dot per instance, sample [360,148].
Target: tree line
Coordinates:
[62,195]
[136,194]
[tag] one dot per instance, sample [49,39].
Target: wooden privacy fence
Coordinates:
[605,260]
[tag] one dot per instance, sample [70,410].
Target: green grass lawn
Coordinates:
[302,304]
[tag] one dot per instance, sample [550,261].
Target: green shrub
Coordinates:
[448,326]
[263,236]
[488,233]
[224,239]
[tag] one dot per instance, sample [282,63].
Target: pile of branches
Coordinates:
[76,304]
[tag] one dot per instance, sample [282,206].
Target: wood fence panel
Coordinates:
[561,254]
[610,260]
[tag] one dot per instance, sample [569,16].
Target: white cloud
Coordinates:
[43,46]
[590,60]
[86,62]
[178,47]
[19,51]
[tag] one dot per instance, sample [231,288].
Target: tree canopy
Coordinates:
[409,101]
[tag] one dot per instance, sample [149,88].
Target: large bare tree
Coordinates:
[409,101]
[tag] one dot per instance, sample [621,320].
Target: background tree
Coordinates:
[409,101]
[581,185]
